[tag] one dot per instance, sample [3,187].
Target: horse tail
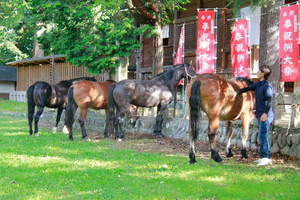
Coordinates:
[195,106]
[71,109]
[111,107]
[30,106]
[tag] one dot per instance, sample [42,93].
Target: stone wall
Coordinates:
[178,128]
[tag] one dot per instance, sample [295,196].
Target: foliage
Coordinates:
[238,4]
[52,167]
[15,42]
[91,33]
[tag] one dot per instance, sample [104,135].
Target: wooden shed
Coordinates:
[40,69]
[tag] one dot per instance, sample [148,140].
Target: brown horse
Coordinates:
[85,95]
[216,96]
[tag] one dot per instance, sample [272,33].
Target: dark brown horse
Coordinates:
[42,94]
[146,93]
[216,96]
[85,95]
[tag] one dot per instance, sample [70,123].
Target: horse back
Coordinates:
[145,93]
[90,94]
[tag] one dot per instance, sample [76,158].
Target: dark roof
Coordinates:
[8,73]
[37,61]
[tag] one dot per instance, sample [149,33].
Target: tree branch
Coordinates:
[140,7]
[137,16]
[153,6]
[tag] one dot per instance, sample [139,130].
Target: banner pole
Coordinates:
[182,90]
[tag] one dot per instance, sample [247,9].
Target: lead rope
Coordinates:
[187,75]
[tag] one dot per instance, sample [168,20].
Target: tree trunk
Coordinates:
[158,51]
[269,41]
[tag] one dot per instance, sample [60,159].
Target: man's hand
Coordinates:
[263,118]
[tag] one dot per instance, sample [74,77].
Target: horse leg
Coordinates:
[120,114]
[83,113]
[212,131]
[59,111]
[159,119]
[228,135]
[30,107]
[106,124]
[37,116]
[245,131]
[30,118]
[69,121]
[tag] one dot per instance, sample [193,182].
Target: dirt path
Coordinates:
[172,146]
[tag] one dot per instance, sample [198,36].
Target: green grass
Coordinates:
[12,106]
[52,167]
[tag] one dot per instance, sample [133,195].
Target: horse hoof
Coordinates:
[71,139]
[120,139]
[65,130]
[215,156]
[193,161]
[37,134]
[159,135]
[229,154]
[244,153]
[54,130]
[87,139]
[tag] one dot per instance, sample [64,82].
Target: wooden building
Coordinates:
[40,69]
[7,81]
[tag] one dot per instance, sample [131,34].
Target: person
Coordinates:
[264,112]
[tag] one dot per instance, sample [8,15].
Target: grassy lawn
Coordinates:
[51,167]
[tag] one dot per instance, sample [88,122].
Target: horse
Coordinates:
[217,97]
[43,94]
[157,92]
[85,95]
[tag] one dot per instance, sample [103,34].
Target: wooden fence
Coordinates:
[27,75]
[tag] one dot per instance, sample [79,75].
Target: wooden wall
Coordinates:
[29,74]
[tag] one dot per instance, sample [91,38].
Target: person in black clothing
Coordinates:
[264,111]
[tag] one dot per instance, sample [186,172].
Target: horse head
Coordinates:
[189,70]
[247,82]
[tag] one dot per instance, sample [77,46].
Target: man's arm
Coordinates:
[245,89]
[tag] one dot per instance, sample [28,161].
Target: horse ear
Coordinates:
[191,62]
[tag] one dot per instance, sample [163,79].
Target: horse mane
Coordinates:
[168,75]
[244,79]
[110,80]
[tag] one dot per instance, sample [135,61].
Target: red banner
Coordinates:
[179,54]
[205,52]
[239,49]
[289,69]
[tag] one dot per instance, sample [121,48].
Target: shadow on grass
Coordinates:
[52,167]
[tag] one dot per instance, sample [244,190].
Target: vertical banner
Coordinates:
[179,54]
[289,68]
[205,52]
[239,49]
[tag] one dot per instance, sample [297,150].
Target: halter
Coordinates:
[187,74]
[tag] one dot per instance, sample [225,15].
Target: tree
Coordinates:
[155,13]
[91,33]
[12,44]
